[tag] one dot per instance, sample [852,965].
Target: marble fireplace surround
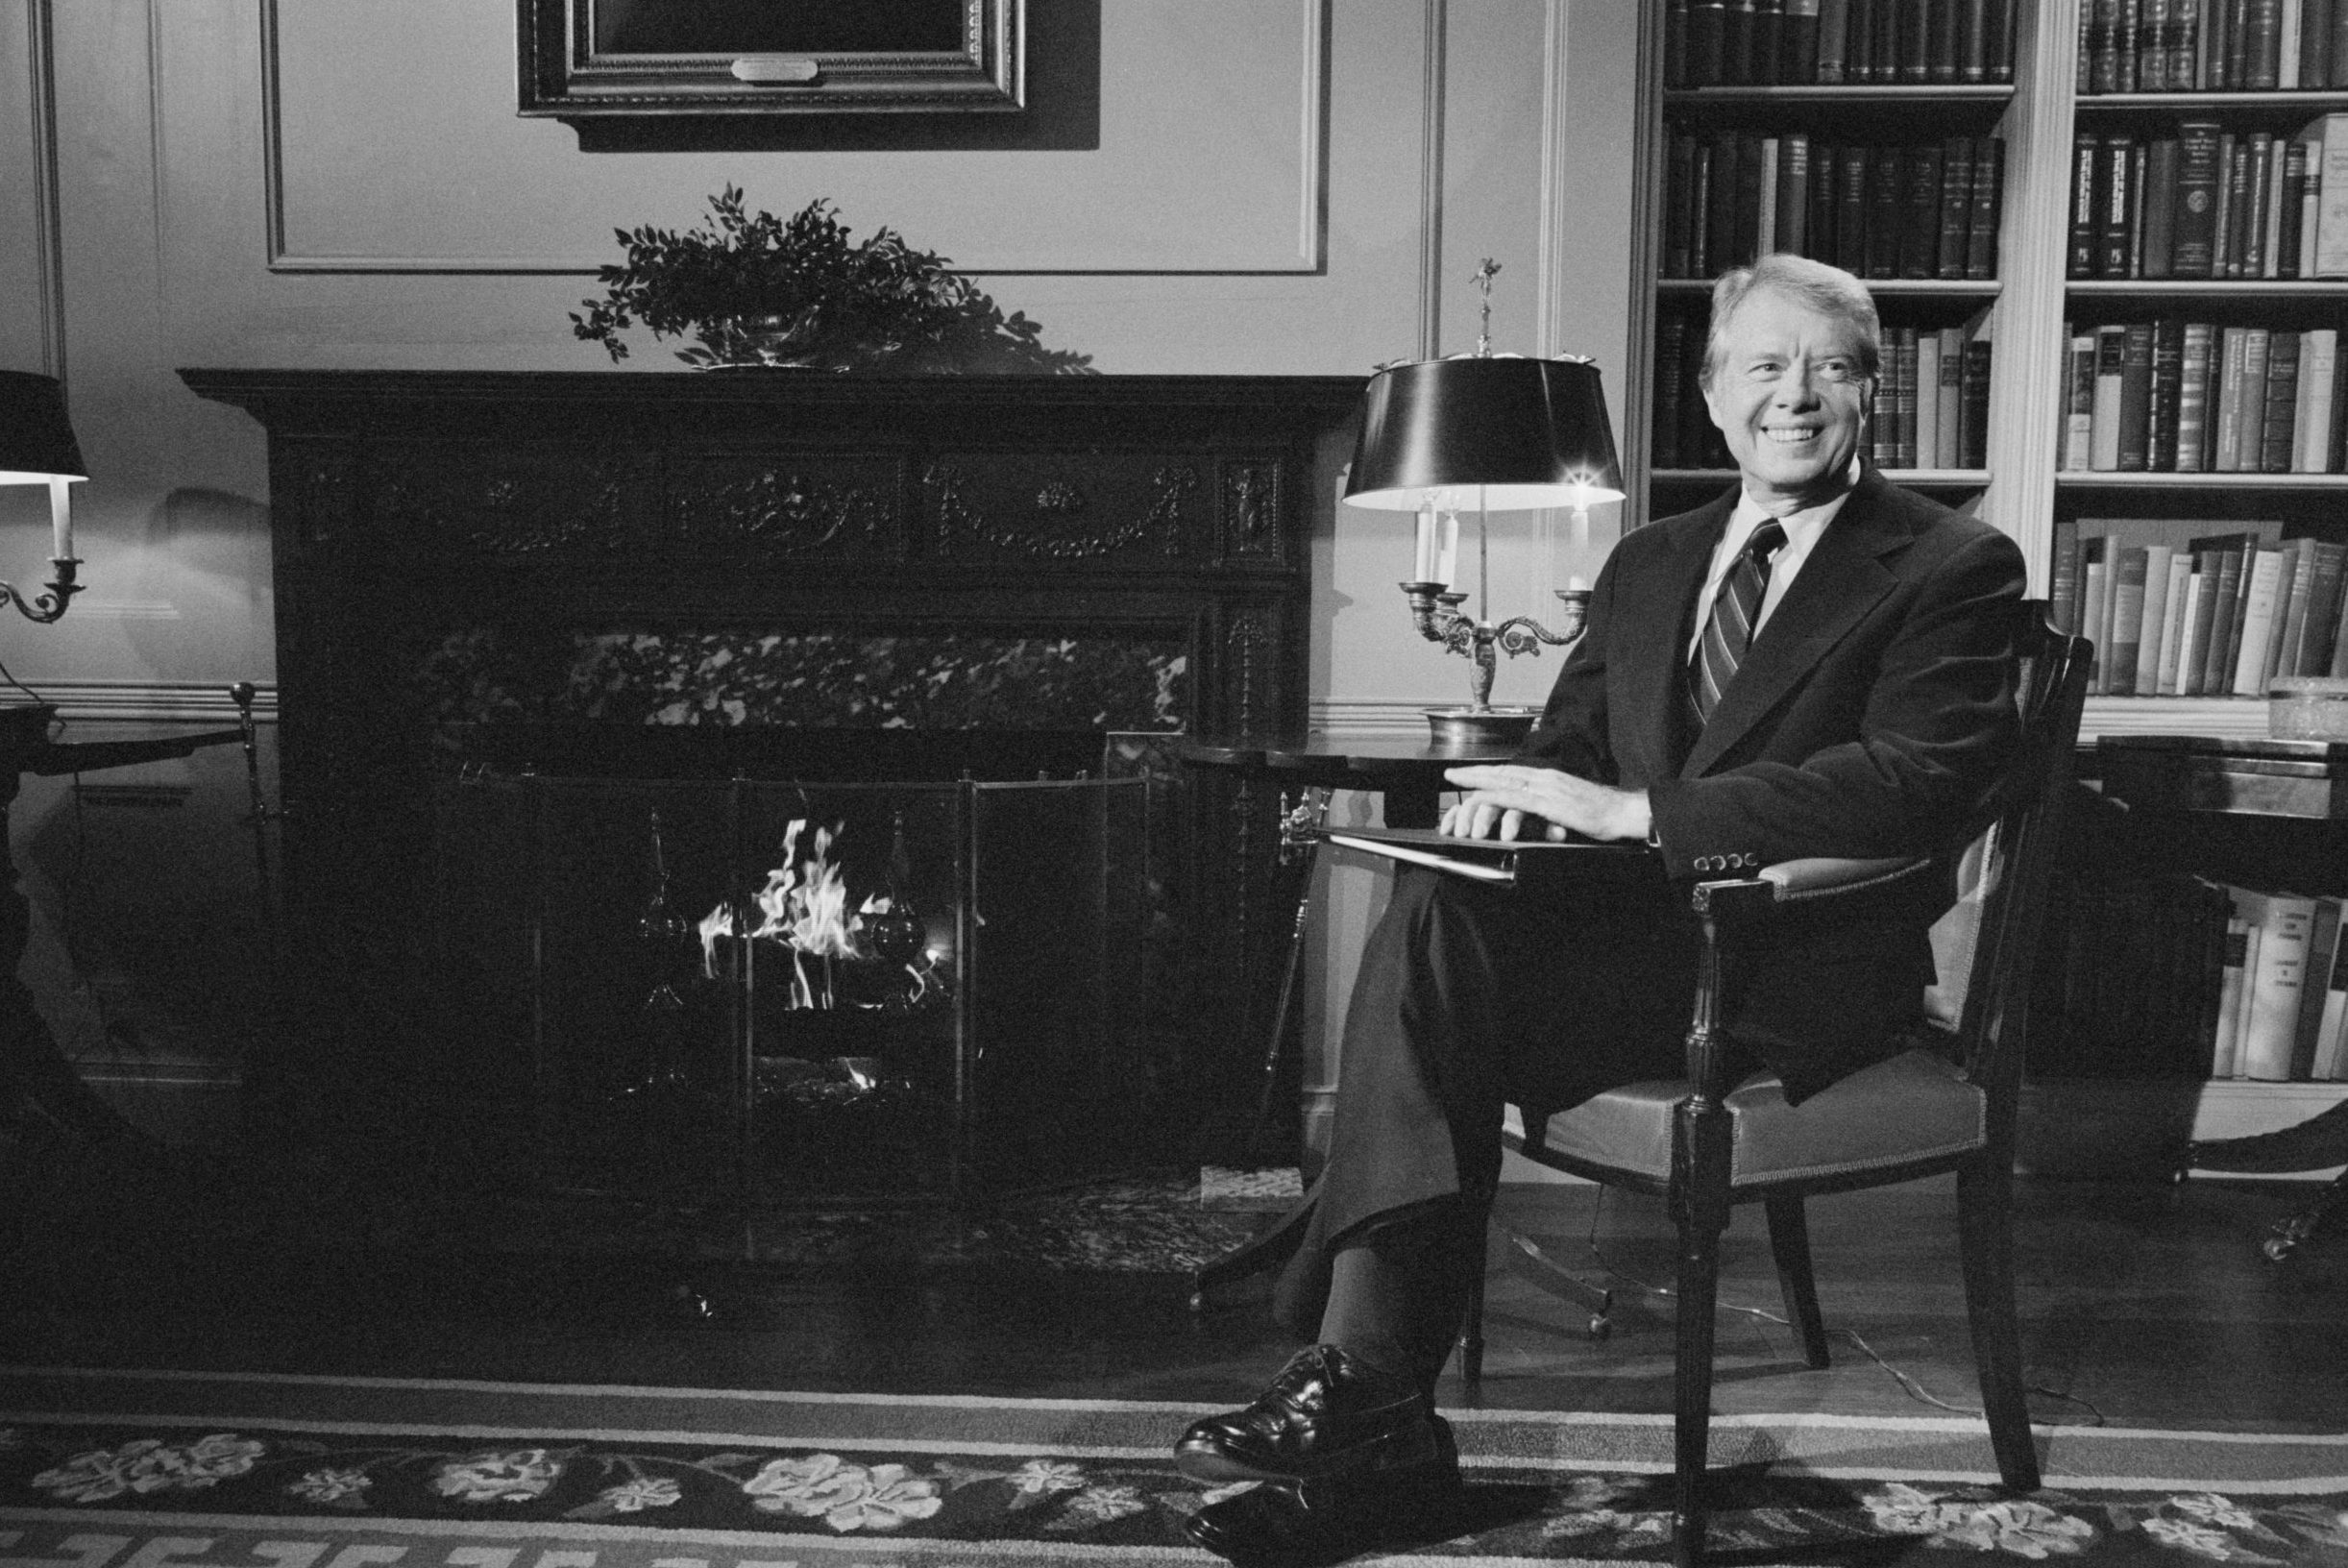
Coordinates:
[778,572]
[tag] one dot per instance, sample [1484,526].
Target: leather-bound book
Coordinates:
[1956,206]
[1989,203]
[1797,43]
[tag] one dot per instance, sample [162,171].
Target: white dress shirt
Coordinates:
[1803,529]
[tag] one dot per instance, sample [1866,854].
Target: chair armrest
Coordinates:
[1824,876]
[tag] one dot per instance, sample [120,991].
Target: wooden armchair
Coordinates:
[1705,1144]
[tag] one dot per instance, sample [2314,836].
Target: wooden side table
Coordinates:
[2293,793]
[1404,772]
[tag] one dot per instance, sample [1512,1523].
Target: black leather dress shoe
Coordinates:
[1325,1414]
[1306,1524]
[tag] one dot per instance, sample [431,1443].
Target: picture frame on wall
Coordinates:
[585,60]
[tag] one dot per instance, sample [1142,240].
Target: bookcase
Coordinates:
[2026,311]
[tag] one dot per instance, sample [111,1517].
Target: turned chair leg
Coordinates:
[1985,1222]
[1789,1242]
[1698,1284]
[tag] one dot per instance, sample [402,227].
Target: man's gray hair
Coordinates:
[1830,291]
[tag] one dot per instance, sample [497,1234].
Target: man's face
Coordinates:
[1789,398]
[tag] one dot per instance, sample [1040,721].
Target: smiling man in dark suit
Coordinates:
[1816,663]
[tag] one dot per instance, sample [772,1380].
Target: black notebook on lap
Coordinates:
[1500,862]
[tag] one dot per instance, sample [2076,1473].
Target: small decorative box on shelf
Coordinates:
[2227,773]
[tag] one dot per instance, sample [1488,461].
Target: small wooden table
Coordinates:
[2300,782]
[1405,771]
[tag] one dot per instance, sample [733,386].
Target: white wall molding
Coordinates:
[1430,183]
[153,702]
[1369,716]
[1312,218]
[47,213]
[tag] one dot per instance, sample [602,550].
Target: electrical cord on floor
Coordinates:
[1916,1390]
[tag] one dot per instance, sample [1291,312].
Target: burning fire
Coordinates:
[805,909]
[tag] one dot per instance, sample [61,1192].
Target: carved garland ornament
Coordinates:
[961,526]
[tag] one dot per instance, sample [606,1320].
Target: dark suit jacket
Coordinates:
[1872,716]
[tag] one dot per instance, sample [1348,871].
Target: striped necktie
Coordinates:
[1730,629]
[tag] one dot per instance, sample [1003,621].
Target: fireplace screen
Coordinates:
[780,993]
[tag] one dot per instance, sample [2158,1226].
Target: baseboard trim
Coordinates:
[190,702]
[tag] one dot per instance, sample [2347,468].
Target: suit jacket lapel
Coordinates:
[1839,584]
[1654,656]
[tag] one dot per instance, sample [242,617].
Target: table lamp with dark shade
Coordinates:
[36,447]
[1487,433]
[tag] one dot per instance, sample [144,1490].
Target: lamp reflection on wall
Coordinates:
[1492,433]
[36,447]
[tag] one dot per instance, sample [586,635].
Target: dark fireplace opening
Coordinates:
[810,990]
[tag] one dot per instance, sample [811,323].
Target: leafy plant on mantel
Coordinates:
[754,289]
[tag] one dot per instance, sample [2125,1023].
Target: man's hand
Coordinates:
[1501,796]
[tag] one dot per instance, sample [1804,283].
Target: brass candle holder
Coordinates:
[1434,609]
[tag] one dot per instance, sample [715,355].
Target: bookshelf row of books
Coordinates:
[2214,615]
[2207,203]
[1931,403]
[2189,397]
[1930,211]
[1709,43]
[2178,975]
[2211,45]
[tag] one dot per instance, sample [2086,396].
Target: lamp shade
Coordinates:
[1497,432]
[37,442]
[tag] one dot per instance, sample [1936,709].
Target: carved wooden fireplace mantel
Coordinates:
[771,552]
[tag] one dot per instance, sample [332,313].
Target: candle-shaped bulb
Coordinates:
[1423,561]
[61,519]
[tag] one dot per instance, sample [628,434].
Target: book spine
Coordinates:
[2185,45]
[1818,233]
[2105,45]
[2167,388]
[2127,622]
[2079,405]
[2276,430]
[2250,409]
[2225,413]
[2262,46]
[1920,236]
[2193,398]
[1973,40]
[2193,224]
[2318,371]
[2192,665]
[1950,441]
[2153,626]
[2086,227]
[1886,204]
[2290,211]
[2257,622]
[1767,42]
[1737,43]
[2103,452]
[1792,236]
[1721,205]
[1707,32]
[2234,231]
[1903,396]
[2152,46]
[1988,196]
[2115,204]
[1797,43]
[2157,198]
[2217,659]
[2182,649]
[2258,202]
[2331,199]
[1850,208]
[2063,576]
[1956,206]
[1973,420]
[1670,346]
[2265,1047]
[1928,454]
[2134,444]
[1833,41]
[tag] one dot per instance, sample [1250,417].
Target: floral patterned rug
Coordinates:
[132,1470]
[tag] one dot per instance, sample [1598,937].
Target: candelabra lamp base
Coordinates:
[1478,730]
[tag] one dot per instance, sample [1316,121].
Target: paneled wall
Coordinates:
[1265,186]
